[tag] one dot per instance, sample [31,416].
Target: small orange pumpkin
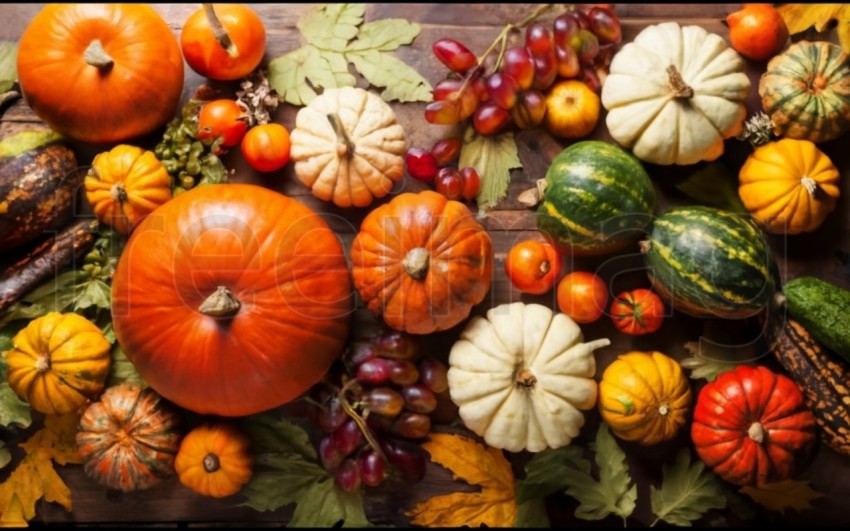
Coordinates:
[214,459]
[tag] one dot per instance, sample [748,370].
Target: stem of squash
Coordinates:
[416,262]
[346,146]
[211,463]
[42,363]
[680,88]
[220,33]
[526,378]
[756,432]
[118,193]
[95,55]
[810,185]
[222,303]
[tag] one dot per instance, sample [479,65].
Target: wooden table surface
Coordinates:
[170,503]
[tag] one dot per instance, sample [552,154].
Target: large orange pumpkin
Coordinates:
[232,299]
[422,262]
[100,73]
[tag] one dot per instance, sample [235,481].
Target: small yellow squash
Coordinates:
[58,362]
[644,397]
[789,186]
[126,184]
[214,459]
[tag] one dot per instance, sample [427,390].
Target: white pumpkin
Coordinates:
[674,94]
[348,147]
[522,377]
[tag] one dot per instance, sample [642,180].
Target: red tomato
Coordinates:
[266,147]
[533,266]
[582,296]
[203,45]
[222,118]
[637,312]
[757,31]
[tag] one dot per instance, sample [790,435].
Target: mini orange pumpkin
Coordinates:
[214,459]
[422,261]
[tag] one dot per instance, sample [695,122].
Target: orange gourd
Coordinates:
[214,459]
[422,262]
[100,73]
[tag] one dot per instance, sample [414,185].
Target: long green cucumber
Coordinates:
[823,309]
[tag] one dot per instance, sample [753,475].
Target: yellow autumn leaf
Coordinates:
[788,494]
[800,17]
[494,506]
[35,478]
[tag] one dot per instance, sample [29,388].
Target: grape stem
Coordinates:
[502,39]
[349,409]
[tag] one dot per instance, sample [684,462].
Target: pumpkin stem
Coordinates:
[119,193]
[810,185]
[220,33]
[664,410]
[222,303]
[211,463]
[680,88]
[415,263]
[95,55]
[42,363]
[346,146]
[756,432]
[644,246]
[526,378]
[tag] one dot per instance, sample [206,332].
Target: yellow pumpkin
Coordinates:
[126,184]
[58,362]
[789,186]
[214,459]
[644,397]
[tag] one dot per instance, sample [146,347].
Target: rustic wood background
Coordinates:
[170,504]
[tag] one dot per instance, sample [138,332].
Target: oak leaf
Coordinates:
[800,17]
[34,477]
[494,506]
[788,494]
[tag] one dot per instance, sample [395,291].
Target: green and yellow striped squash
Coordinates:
[709,263]
[598,199]
[806,91]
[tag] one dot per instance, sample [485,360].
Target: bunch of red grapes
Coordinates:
[437,166]
[579,45]
[375,409]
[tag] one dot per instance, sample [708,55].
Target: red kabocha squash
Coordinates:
[129,439]
[100,73]
[232,299]
[752,427]
[422,262]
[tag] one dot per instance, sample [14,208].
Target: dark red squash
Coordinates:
[232,299]
[752,427]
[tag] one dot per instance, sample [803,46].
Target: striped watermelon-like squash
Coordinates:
[598,198]
[709,263]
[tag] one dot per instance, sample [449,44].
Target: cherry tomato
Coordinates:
[533,266]
[757,31]
[582,296]
[222,118]
[266,147]
[637,312]
[203,45]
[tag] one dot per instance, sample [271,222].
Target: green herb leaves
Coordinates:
[336,36]
[687,492]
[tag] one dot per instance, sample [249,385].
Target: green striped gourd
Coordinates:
[806,91]
[597,199]
[708,262]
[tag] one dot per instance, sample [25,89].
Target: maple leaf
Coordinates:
[800,17]
[35,478]
[687,492]
[788,494]
[493,157]
[494,506]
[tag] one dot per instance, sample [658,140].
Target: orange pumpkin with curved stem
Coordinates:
[232,299]
[214,459]
[422,262]
[120,68]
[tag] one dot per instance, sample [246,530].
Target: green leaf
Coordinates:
[493,157]
[565,468]
[713,184]
[95,293]
[532,514]
[287,471]
[332,26]
[385,35]
[108,332]
[13,410]
[289,74]
[121,370]
[5,455]
[687,492]
[8,61]
[706,361]
[402,82]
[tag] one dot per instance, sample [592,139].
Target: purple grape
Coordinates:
[347,476]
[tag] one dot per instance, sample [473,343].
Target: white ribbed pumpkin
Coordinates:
[674,94]
[522,377]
